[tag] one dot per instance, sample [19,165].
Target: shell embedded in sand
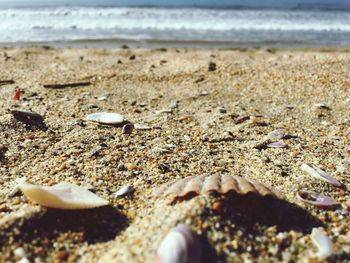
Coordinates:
[276,134]
[316,199]
[319,174]
[62,196]
[323,243]
[221,184]
[106,118]
[181,245]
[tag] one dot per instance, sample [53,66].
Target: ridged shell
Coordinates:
[221,184]
[323,243]
[62,196]
[106,118]
[181,245]
[320,174]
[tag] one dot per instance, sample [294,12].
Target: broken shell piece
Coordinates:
[276,134]
[106,118]
[181,245]
[141,126]
[277,145]
[125,191]
[320,174]
[221,184]
[62,196]
[323,243]
[316,199]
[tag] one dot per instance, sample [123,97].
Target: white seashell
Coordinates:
[276,134]
[62,196]
[141,126]
[320,174]
[102,98]
[125,190]
[323,243]
[181,245]
[106,118]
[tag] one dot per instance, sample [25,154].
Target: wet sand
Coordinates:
[203,120]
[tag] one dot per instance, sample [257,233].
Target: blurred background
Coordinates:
[183,23]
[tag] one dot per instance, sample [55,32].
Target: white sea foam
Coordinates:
[175,24]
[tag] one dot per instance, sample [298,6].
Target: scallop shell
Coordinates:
[320,174]
[316,199]
[323,243]
[221,184]
[181,245]
[62,196]
[106,118]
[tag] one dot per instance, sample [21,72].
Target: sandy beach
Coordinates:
[204,112]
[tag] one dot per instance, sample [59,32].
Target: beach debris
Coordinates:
[181,245]
[322,242]
[125,190]
[222,184]
[106,118]
[102,98]
[200,79]
[67,85]
[62,196]
[141,126]
[321,106]
[211,66]
[222,110]
[16,189]
[318,173]
[17,95]
[132,57]
[276,134]
[317,199]
[128,128]
[242,119]
[29,117]
[165,111]
[276,145]
[6,82]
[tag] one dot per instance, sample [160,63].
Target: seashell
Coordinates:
[125,191]
[316,199]
[320,174]
[141,126]
[106,118]
[276,134]
[181,245]
[277,145]
[62,196]
[166,111]
[323,243]
[221,184]
[128,128]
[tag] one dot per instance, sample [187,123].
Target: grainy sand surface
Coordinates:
[201,122]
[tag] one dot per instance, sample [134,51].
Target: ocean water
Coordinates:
[160,26]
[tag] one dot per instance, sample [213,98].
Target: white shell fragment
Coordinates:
[323,243]
[62,196]
[106,118]
[320,174]
[141,126]
[181,245]
[125,191]
[317,199]
[277,145]
[276,134]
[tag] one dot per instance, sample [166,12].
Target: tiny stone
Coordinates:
[128,128]
[19,252]
[122,167]
[222,110]
[212,66]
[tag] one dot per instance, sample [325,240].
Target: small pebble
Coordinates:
[125,190]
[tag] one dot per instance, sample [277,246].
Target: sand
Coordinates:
[203,120]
